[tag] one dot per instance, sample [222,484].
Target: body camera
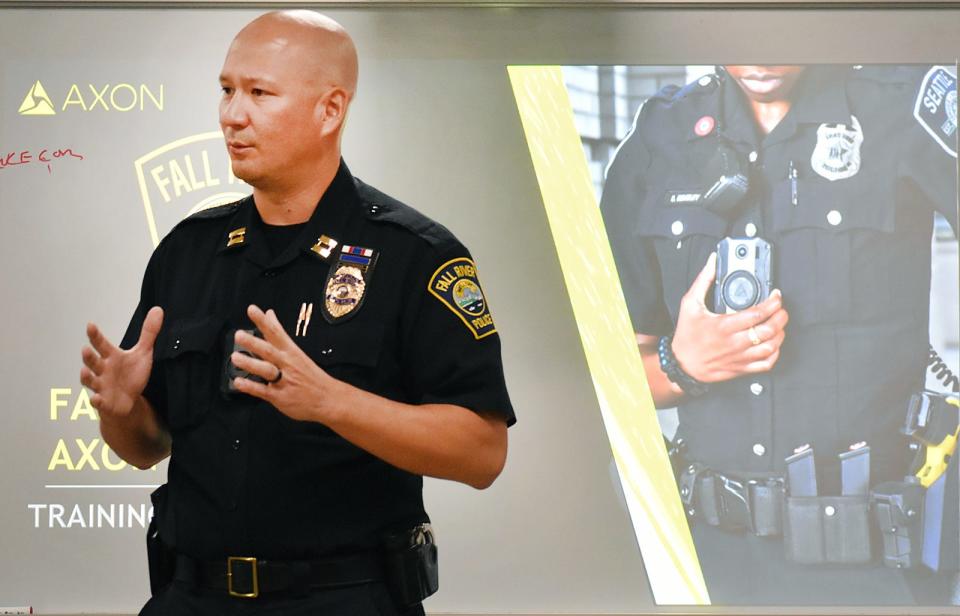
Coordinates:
[743,274]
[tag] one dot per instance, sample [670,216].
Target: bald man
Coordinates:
[304,356]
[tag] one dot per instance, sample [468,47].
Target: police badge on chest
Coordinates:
[837,153]
[347,283]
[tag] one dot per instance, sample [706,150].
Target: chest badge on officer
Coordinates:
[347,283]
[936,108]
[837,153]
[455,284]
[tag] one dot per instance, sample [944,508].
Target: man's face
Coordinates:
[270,112]
[766,84]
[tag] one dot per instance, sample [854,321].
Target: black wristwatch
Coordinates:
[670,367]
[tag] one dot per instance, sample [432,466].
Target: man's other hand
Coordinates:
[118,377]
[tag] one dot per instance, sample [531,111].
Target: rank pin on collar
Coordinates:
[324,246]
[236,237]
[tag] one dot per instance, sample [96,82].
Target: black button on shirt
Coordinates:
[851,254]
[296,489]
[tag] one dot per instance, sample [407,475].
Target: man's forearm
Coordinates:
[438,440]
[138,438]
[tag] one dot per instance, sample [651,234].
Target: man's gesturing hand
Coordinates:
[118,377]
[718,347]
[295,384]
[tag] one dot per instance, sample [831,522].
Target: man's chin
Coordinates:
[244,173]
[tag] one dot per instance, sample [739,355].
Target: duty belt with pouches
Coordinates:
[734,502]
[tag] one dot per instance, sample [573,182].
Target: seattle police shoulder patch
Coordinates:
[936,107]
[455,284]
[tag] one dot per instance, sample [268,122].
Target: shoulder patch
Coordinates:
[936,108]
[456,285]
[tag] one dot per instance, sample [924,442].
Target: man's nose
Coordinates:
[233,111]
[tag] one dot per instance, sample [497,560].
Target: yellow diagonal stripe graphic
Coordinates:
[608,340]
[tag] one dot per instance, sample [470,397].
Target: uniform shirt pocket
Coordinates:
[189,355]
[684,236]
[833,248]
[349,352]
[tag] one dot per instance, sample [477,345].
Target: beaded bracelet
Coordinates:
[670,367]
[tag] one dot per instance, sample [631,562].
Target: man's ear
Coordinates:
[332,110]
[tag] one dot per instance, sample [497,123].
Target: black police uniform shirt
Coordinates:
[243,478]
[874,154]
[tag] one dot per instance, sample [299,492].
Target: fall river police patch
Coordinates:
[347,283]
[455,284]
[936,108]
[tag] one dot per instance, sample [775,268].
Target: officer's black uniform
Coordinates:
[246,480]
[844,188]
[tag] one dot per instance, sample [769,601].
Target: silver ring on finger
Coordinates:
[754,336]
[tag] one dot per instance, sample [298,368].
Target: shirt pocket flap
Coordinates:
[191,335]
[865,202]
[353,345]
[680,222]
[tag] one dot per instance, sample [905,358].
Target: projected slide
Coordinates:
[762,264]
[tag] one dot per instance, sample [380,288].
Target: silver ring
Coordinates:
[276,378]
[754,336]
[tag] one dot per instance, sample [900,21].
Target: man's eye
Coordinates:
[257,92]
[226,91]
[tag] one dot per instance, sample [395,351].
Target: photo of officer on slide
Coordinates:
[771,227]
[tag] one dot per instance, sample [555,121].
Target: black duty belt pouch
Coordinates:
[733,507]
[950,529]
[687,482]
[827,529]
[710,502]
[733,503]
[898,510]
[161,560]
[766,501]
[410,564]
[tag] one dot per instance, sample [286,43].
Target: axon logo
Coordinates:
[93,97]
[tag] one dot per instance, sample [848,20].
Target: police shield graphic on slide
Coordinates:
[183,177]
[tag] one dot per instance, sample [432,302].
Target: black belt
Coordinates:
[734,502]
[249,577]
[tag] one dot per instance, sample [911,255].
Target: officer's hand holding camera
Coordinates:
[717,347]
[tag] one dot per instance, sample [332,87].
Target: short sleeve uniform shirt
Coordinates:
[375,293]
